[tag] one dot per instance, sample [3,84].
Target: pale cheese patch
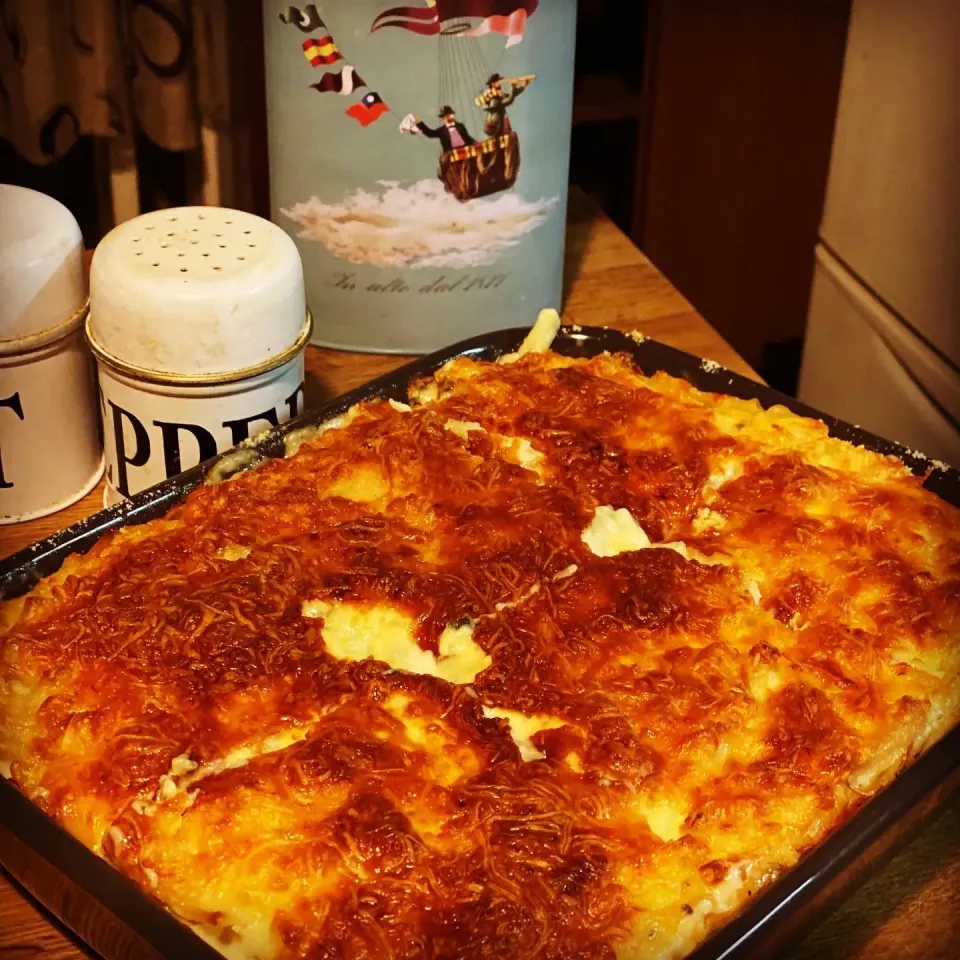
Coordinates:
[185,773]
[425,392]
[612,532]
[707,519]
[232,464]
[523,727]
[362,485]
[725,472]
[753,588]
[463,428]
[665,819]
[274,743]
[461,660]
[766,679]
[294,440]
[519,450]
[233,551]
[677,546]
[382,633]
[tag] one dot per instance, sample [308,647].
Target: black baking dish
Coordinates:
[117,919]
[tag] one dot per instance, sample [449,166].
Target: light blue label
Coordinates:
[418,229]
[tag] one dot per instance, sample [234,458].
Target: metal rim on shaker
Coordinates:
[43,337]
[227,376]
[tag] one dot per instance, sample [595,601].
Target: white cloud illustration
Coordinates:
[418,226]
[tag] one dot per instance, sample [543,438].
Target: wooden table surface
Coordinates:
[907,910]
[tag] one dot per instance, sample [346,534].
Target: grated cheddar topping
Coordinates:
[558,660]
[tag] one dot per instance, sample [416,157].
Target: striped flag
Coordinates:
[510,25]
[343,81]
[370,108]
[306,20]
[322,51]
[423,20]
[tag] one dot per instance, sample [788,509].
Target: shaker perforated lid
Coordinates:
[42,284]
[195,291]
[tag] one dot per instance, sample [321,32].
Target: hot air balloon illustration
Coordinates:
[468,86]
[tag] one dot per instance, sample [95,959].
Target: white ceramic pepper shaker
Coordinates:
[50,451]
[198,322]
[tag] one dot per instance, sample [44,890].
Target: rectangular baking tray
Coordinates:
[117,920]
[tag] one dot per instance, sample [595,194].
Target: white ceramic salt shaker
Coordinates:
[198,322]
[50,452]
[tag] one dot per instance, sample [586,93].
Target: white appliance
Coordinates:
[883,334]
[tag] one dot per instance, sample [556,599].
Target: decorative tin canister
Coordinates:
[50,453]
[419,155]
[199,326]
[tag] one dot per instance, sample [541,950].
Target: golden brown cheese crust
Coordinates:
[655,732]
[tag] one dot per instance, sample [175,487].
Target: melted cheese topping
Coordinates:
[562,660]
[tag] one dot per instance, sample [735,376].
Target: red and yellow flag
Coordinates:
[322,51]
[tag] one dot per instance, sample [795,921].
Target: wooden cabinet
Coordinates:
[742,99]
[703,127]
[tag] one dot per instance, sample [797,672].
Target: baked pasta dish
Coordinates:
[556,660]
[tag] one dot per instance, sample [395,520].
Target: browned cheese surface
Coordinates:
[564,661]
